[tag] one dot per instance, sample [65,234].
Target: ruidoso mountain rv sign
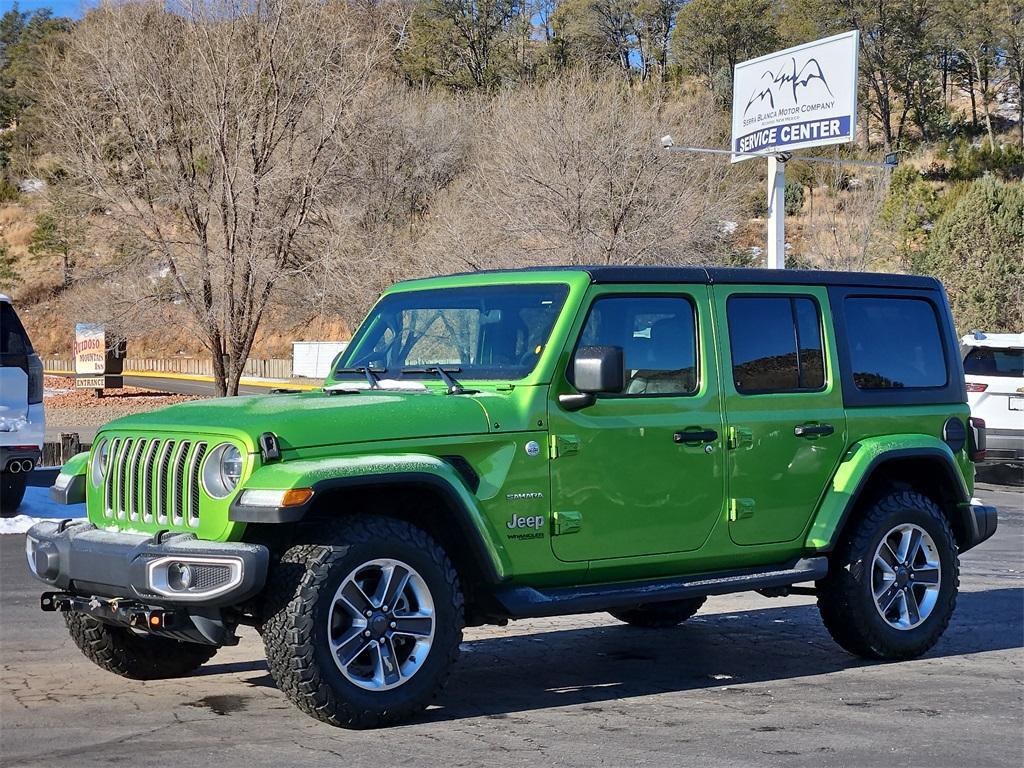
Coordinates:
[805,96]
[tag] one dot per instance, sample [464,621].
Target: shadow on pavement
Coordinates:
[500,676]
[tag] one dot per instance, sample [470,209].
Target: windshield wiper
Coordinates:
[369,372]
[454,388]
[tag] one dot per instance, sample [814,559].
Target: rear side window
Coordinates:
[776,344]
[991,361]
[894,343]
[13,339]
[658,336]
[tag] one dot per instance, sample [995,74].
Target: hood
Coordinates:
[315,418]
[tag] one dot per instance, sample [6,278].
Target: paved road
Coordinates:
[750,681]
[189,387]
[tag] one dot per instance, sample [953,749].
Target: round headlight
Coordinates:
[222,470]
[99,462]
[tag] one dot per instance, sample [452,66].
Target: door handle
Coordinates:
[813,430]
[695,436]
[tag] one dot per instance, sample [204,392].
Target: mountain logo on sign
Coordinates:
[798,80]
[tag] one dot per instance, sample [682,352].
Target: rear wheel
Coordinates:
[659,615]
[12,491]
[362,630]
[139,657]
[892,583]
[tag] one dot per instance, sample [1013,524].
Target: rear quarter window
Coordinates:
[894,343]
[13,339]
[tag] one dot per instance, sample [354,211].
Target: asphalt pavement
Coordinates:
[750,681]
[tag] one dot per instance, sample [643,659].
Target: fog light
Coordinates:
[179,576]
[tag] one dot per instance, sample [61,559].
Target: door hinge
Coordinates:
[740,437]
[563,445]
[740,509]
[567,522]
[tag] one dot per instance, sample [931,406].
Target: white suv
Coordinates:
[994,368]
[21,408]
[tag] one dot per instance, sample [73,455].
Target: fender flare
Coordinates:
[856,471]
[423,471]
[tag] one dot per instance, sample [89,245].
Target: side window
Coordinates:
[658,336]
[894,343]
[776,344]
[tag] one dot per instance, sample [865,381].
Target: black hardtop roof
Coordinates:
[734,275]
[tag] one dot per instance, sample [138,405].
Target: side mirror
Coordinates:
[596,370]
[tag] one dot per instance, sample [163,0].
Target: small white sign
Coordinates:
[805,96]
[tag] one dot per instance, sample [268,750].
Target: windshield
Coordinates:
[479,332]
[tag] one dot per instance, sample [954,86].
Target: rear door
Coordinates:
[14,367]
[783,407]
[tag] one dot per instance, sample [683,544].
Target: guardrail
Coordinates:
[271,368]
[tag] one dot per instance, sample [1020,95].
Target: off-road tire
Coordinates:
[845,597]
[139,657]
[12,491]
[659,615]
[298,597]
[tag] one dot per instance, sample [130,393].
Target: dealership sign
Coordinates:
[804,96]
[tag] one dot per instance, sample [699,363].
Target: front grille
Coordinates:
[151,480]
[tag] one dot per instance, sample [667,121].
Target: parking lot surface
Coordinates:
[748,681]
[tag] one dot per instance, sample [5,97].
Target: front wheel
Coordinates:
[892,582]
[139,657]
[362,630]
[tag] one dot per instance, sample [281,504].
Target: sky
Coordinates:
[72,8]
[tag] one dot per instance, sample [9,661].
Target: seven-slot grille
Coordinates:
[153,480]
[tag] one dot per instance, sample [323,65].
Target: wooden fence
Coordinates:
[272,368]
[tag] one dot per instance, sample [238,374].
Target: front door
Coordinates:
[641,472]
[783,408]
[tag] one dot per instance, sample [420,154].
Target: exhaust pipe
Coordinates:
[27,465]
[14,467]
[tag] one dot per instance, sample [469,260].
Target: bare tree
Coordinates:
[218,132]
[840,229]
[572,172]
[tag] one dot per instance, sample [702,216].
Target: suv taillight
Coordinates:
[973,387]
[976,439]
[35,379]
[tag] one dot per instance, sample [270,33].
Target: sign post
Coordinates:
[805,96]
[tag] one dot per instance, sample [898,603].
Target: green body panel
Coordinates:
[776,477]
[852,471]
[563,497]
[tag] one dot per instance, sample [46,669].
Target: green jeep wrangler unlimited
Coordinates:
[503,445]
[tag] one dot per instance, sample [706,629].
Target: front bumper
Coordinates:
[81,559]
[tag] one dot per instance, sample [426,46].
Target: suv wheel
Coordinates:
[12,491]
[362,630]
[659,615]
[139,657]
[892,583]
